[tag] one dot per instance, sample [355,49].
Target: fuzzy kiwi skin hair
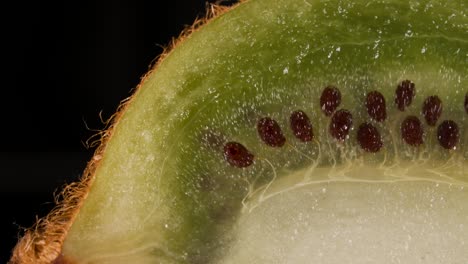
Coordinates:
[160,184]
[42,243]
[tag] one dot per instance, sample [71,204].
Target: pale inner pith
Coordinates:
[354,221]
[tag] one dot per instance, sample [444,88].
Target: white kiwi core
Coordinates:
[346,220]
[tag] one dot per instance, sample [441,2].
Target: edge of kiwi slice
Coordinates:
[42,243]
[309,112]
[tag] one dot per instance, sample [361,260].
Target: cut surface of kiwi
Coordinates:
[288,131]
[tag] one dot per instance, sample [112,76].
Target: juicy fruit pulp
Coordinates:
[230,152]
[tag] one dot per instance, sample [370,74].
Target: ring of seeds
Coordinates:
[368,136]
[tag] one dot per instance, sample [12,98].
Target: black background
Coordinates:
[65,64]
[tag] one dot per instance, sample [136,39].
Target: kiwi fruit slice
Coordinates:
[284,131]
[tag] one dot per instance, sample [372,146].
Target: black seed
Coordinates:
[466,103]
[412,131]
[341,124]
[369,138]
[237,155]
[404,94]
[270,132]
[432,109]
[375,103]
[330,100]
[301,126]
[447,134]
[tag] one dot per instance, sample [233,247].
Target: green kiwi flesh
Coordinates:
[164,192]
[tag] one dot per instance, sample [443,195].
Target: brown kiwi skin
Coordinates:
[42,243]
